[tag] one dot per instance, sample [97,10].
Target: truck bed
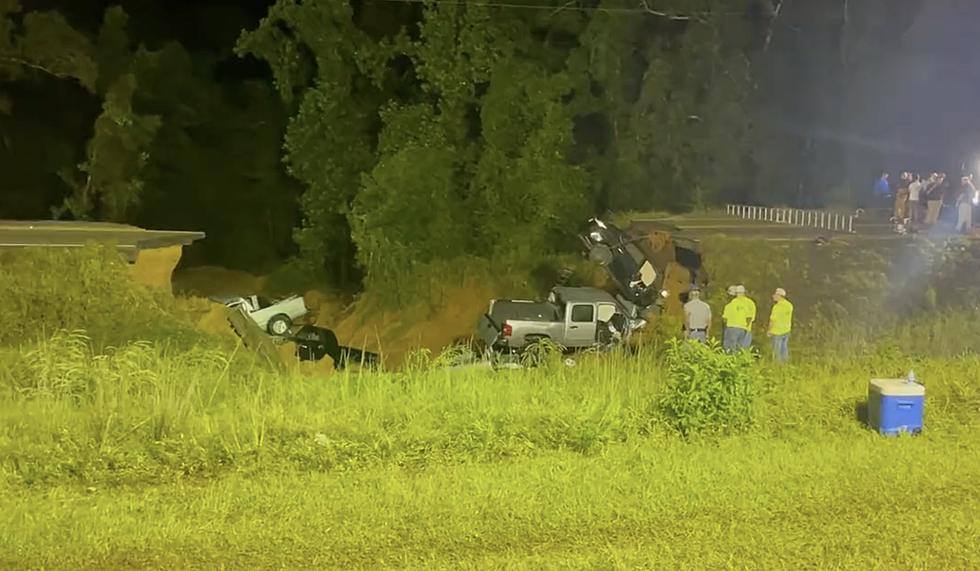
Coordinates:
[492,323]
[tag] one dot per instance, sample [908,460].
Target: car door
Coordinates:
[580,325]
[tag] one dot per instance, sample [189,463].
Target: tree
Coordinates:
[321,60]
[464,127]
[43,43]
[215,162]
[108,185]
[662,105]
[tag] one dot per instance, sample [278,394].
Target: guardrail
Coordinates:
[833,221]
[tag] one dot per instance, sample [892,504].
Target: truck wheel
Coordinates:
[279,324]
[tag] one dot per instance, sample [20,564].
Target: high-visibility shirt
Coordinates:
[739,313]
[781,318]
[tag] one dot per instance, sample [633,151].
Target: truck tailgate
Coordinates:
[488,330]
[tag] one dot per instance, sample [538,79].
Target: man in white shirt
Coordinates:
[697,317]
[915,198]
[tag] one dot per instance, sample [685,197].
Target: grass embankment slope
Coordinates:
[157,456]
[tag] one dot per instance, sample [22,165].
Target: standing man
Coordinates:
[780,325]
[936,196]
[964,205]
[697,317]
[739,316]
[728,340]
[902,198]
[882,190]
[915,193]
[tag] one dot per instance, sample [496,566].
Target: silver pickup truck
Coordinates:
[575,318]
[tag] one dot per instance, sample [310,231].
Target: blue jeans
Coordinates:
[699,336]
[735,339]
[780,348]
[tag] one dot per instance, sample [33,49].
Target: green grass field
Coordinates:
[149,459]
[186,453]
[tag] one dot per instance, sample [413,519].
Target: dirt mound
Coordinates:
[205,281]
[395,334]
[155,267]
[325,308]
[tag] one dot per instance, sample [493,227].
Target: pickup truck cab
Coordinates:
[575,318]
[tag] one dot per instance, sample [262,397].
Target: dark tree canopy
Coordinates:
[488,131]
[372,137]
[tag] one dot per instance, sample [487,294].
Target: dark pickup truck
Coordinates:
[650,264]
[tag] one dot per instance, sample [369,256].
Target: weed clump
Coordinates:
[708,390]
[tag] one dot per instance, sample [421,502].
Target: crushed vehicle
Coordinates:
[274,316]
[574,318]
[314,343]
[650,265]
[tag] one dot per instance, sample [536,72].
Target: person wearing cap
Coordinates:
[727,341]
[697,317]
[780,325]
[739,315]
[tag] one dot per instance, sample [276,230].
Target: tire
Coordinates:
[279,324]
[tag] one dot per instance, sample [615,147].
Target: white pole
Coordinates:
[850,224]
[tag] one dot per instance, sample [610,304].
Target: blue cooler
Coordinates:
[895,406]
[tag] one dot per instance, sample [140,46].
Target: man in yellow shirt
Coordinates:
[780,325]
[739,315]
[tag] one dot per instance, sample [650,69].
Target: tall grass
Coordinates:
[44,290]
[144,413]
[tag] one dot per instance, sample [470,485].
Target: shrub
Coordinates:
[708,390]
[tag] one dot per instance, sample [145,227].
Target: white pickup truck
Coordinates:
[276,317]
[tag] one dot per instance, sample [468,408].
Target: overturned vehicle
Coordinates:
[651,270]
[650,264]
[264,331]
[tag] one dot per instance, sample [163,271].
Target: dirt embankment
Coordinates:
[206,281]
[846,279]
[394,334]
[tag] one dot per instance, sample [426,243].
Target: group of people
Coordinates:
[919,201]
[738,319]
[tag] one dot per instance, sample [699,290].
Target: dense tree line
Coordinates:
[444,129]
[414,132]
